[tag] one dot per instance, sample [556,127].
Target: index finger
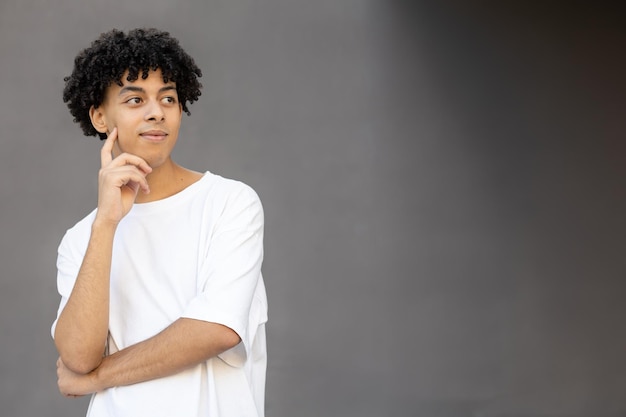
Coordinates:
[106,153]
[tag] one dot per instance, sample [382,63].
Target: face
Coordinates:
[147,115]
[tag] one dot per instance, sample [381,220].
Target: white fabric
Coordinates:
[196,254]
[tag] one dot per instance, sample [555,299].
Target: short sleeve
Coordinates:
[231,290]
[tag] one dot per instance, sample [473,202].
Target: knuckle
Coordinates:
[102,174]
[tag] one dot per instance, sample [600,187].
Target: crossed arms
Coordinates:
[82,327]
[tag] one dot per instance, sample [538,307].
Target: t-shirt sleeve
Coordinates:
[232,291]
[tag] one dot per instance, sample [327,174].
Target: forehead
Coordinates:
[153,82]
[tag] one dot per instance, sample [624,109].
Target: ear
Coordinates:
[98,119]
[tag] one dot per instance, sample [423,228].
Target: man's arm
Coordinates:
[184,344]
[82,327]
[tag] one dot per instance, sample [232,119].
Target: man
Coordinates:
[163,305]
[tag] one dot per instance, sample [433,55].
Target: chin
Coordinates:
[156,162]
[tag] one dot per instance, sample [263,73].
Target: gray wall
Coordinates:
[443,185]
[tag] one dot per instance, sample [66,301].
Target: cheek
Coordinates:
[123,129]
[123,140]
[121,144]
[111,120]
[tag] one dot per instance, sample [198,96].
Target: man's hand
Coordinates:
[72,384]
[119,181]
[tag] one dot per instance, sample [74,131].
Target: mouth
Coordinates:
[154,135]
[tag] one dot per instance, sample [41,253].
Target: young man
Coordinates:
[163,306]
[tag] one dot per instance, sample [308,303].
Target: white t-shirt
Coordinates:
[196,254]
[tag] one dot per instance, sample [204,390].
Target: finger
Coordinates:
[136,184]
[106,153]
[130,159]
[124,175]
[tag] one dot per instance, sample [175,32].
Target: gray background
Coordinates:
[443,185]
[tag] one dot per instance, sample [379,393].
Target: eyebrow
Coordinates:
[141,90]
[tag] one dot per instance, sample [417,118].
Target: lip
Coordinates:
[154,135]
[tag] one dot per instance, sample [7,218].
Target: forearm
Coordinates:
[82,328]
[182,345]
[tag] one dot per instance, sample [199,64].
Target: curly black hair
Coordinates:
[139,51]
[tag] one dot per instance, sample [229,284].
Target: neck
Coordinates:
[167,180]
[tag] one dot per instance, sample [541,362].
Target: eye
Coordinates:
[169,99]
[134,100]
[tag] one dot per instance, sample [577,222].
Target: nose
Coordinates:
[154,112]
